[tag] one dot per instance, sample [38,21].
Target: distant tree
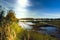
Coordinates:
[1,13]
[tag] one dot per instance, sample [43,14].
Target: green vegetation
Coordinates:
[10,30]
[40,36]
[9,27]
[55,23]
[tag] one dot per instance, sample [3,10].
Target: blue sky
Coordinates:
[33,8]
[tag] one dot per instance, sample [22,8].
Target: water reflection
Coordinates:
[50,30]
[25,25]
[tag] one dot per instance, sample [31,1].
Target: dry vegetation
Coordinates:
[10,30]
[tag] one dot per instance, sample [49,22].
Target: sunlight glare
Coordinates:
[21,8]
[23,3]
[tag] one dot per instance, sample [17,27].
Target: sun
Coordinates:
[20,8]
[22,3]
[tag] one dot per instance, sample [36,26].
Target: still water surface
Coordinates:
[50,30]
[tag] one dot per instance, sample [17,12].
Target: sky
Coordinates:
[33,8]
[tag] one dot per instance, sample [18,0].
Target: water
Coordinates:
[50,30]
[25,25]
